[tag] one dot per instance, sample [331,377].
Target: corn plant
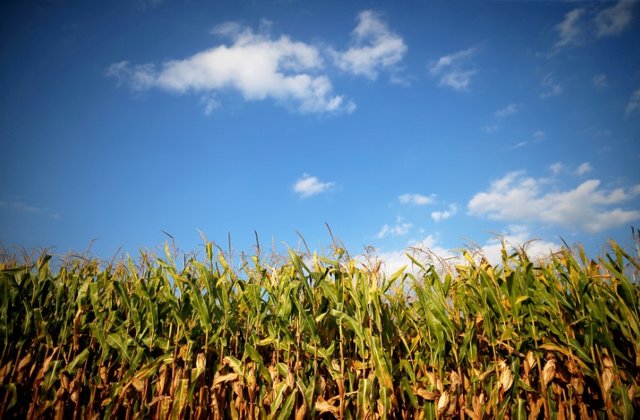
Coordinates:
[305,336]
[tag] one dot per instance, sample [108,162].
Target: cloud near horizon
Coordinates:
[429,251]
[516,198]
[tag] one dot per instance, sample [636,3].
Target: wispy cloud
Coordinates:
[587,207]
[506,111]
[556,168]
[581,25]
[23,207]
[613,20]
[210,103]
[584,168]
[491,128]
[374,48]
[310,185]
[518,145]
[550,87]
[399,229]
[453,70]
[634,103]
[571,29]
[439,216]
[538,135]
[600,81]
[416,199]
[254,64]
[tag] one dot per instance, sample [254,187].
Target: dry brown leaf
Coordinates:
[324,407]
[549,371]
[443,402]
[427,395]
[506,379]
[225,378]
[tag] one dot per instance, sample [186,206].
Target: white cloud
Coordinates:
[521,199]
[571,28]
[633,104]
[551,87]
[399,229]
[429,251]
[556,168]
[506,111]
[539,135]
[254,65]
[452,71]
[515,238]
[614,20]
[374,48]
[310,185]
[210,104]
[425,249]
[438,216]
[416,199]
[518,145]
[600,81]
[491,128]
[584,168]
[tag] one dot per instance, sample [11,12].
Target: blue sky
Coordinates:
[397,123]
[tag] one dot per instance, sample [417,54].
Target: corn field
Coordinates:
[310,336]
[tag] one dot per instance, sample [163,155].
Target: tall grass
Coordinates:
[316,336]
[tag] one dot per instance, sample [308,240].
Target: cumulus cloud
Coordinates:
[634,103]
[394,260]
[438,216]
[506,111]
[571,29]
[255,65]
[516,237]
[416,199]
[399,229]
[588,207]
[550,87]
[614,20]
[453,71]
[310,185]
[429,251]
[374,48]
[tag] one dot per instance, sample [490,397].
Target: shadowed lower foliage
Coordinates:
[312,336]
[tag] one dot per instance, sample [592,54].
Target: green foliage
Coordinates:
[317,336]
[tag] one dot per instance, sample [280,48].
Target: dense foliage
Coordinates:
[309,336]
